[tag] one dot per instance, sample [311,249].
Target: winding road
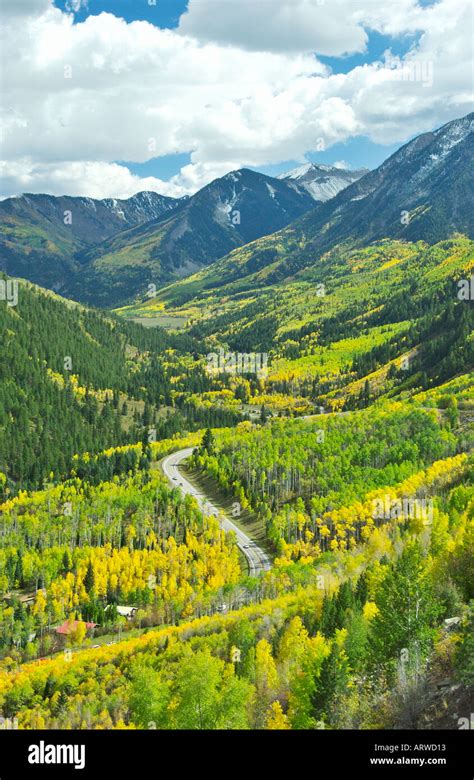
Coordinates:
[258,561]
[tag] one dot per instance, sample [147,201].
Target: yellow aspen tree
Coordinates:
[276,719]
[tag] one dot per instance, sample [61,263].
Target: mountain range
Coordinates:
[245,228]
[104,252]
[227,213]
[41,235]
[422,192]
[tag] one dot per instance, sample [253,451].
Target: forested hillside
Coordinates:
[75,380]
[388,319]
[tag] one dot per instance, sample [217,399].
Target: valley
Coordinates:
[255,512]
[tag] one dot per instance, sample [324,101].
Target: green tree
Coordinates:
[331,685]
[89,579]
[207,694]
[149,696]
[356,640]
[406,609]
[208,441]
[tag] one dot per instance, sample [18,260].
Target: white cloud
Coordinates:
[275,25]
[327,27]
[79,97]
[91,179]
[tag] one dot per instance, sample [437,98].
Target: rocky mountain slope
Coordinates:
[41,235]
[227,213]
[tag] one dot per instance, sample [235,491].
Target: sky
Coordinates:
[105,98]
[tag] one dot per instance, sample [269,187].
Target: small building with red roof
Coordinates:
[70,625]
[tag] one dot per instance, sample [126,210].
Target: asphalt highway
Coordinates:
[257,559]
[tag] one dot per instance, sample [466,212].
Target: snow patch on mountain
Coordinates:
[271,190]
[444,142]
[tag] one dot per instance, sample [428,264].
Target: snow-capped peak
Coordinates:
[297,173]
[322,182]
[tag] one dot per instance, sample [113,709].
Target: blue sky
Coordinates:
[164,14]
